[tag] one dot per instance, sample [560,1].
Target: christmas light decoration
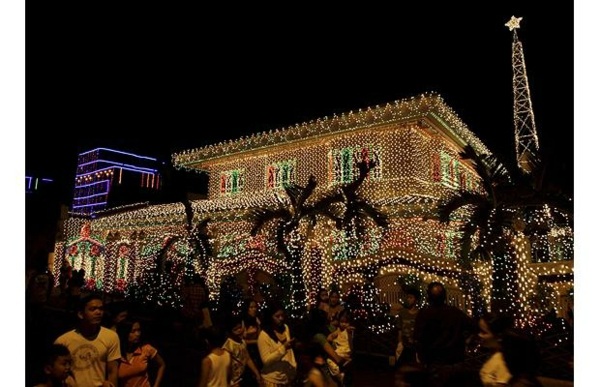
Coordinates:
[416,144]
[526,139]
[99,169]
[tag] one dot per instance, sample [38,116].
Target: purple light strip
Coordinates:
[94,183]
[90,196]
[114,163]
[29,180]
[121,152]
[89,205]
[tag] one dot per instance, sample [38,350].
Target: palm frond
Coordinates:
[307,191]
[491,170]
[293,191]
[461,199]
[364,210]
[259,216]
[364,167]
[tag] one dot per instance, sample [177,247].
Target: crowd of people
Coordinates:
[106,347]
[256,345]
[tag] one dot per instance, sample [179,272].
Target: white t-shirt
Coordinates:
[494,371]
[342,344]
[218,369]
[90,356]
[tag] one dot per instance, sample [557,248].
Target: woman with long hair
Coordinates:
[251,324]
[275,345]
[135,357]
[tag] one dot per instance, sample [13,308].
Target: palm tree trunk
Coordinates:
[298,289]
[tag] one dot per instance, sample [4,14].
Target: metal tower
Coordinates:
[526,139]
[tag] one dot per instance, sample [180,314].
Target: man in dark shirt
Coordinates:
[440,334]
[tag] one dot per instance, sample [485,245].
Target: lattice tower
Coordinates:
[526,139]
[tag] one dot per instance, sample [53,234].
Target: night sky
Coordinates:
[160,79]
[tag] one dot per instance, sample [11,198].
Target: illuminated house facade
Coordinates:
[416,143]
[107,178]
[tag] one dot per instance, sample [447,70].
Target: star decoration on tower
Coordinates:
[513,23]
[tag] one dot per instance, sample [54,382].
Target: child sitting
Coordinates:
[341,340]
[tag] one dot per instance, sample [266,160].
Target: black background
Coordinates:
[157,79]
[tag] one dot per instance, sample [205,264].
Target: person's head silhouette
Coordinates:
[436,294]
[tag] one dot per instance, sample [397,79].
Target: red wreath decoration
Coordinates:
[123,250]
[73,250]
[90,283]
[95,250]
[120,285]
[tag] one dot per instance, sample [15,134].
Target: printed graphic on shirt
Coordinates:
[84,356]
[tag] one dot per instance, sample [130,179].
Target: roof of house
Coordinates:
[430,105]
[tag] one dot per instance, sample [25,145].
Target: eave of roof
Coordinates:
[429,105]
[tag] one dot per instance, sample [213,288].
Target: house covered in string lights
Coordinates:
[415,143]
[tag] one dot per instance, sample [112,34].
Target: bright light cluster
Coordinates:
[414,107]
[417,143]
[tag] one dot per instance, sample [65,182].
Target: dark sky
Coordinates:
[160,79]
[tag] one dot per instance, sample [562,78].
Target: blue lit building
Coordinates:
[108,178]
[35,184]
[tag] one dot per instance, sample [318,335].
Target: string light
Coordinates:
[417,143]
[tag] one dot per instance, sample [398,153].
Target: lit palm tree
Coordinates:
[343,206]
[492,218]
[289,218]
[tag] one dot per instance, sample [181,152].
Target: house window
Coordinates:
[447,170]
[343,163]
[280,174]
[232,182]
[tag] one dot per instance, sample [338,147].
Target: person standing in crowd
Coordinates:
[65,274]
[74,289]
[491,327]
[335,308]
[440,337]
[406,352]
[94,348]
[117,311]
[522,358]
[135,357]
[195,310]
[38,290]
[315,330]
[322,301]
[216,366]
[275,347]
[251,325]
[241,360]
[315,359]
[57,368]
